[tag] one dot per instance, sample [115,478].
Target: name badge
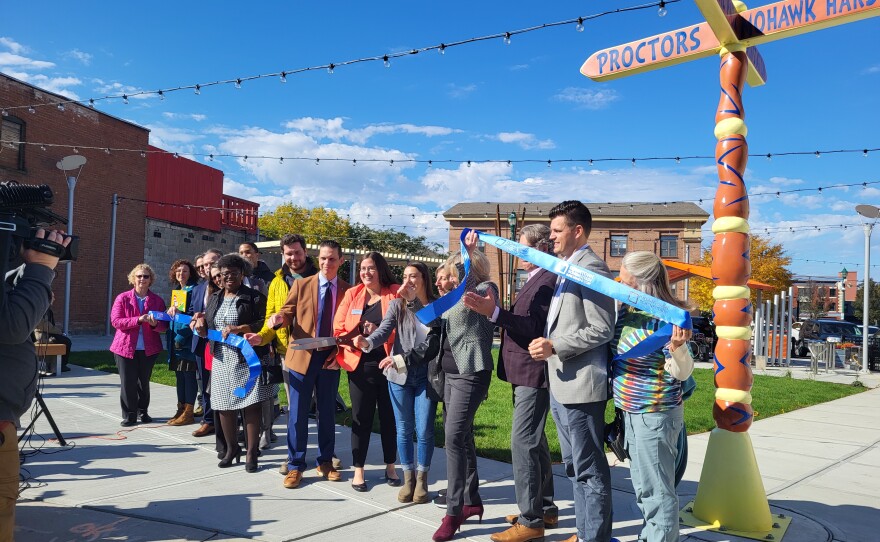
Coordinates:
[357,311]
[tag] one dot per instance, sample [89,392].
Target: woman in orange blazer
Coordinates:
[361,311]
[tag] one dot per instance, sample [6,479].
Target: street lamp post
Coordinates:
[872,212]
[69,164]
[511,219]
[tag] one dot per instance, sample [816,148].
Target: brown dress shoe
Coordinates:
[550,522]
[519,533]
[326,471]
[572,538]
[204,430]
[292,480]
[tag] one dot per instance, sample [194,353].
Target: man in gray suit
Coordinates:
[575,347]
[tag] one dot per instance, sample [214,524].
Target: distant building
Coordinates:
[825,297]
[672,231]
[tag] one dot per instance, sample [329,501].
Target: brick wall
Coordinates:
[101,177]
[641,235]
[166,242]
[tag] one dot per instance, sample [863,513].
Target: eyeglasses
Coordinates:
[143,276]
[231,274]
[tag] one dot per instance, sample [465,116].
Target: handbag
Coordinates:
[271,370]
[614,436]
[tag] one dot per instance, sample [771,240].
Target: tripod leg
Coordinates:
[45,409]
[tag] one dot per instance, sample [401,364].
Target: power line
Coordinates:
[385,58]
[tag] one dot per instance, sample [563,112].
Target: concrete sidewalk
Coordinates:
[819,465]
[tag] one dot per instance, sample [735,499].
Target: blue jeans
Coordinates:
[414,412]
[651,440]
[325,383]
[187,387]
[581,429]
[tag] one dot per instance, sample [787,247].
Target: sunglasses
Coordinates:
[232,275]
[143,276]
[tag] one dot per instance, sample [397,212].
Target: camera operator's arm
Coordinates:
[24,303]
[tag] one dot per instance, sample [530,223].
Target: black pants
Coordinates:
[367,387]
[135,376]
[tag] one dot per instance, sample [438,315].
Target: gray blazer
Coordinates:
[581,325]
[469,333]
[396,318]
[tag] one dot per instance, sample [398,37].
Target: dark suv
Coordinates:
[822,330]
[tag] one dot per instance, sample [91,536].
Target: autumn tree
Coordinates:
[769,265]
[314,224]
[859,303]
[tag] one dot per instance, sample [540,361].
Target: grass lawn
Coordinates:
[772,396]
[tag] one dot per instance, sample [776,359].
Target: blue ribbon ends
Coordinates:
[662,310]
[235,341]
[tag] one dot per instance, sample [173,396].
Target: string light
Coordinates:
[4,113]
[283,77]
[92,103]
[143,154]
[31,110]
[580,25]
[125,99]
[441,48]
[161,95]
[661,10]
[60,106]
[386,61]
[453,161]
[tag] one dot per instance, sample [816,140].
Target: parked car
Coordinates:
[825,331]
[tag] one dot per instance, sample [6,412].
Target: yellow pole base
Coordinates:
[731,493]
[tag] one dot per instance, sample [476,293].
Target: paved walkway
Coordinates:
[819,464]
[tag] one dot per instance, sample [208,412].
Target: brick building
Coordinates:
[672,231]
[152,233]
[102,176]
[826,297]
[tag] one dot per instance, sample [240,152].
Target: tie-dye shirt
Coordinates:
[641,384]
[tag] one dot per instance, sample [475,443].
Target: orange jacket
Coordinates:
[348,317]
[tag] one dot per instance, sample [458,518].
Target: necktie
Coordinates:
[325,328]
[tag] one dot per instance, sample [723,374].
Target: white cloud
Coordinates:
[585,98]
[309,183]
[518,67]
[116,88]
[81,56]
[333,129]
[785,181]
[187,116]
[871,69]
[525,140]
[12,45]
[58,85]
[12,60]
[460,91]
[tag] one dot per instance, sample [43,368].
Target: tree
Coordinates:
[314,224]
[813,300]
[392,241]
[769,265]
[859,303]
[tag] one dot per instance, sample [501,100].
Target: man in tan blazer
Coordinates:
[309,311]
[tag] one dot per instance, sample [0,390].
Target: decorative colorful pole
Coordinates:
[731,494]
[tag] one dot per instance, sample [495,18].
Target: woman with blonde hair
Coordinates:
[466,359]
[137,342]
[648,389]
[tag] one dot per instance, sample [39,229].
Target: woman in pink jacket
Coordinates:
[137,343]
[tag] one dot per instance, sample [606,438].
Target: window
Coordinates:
[618,245]
[11,154]
[481,245]
[668,246]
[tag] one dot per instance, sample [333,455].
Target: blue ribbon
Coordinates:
[660,309]
[235,341]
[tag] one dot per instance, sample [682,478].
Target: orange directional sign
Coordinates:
[751,27]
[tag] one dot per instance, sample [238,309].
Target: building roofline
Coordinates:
[62,97]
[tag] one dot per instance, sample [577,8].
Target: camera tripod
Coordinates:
[44,409]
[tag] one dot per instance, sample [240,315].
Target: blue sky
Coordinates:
[486,100]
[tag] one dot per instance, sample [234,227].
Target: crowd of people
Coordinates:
[563,351]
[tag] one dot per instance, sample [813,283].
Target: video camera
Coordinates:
[23,210]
